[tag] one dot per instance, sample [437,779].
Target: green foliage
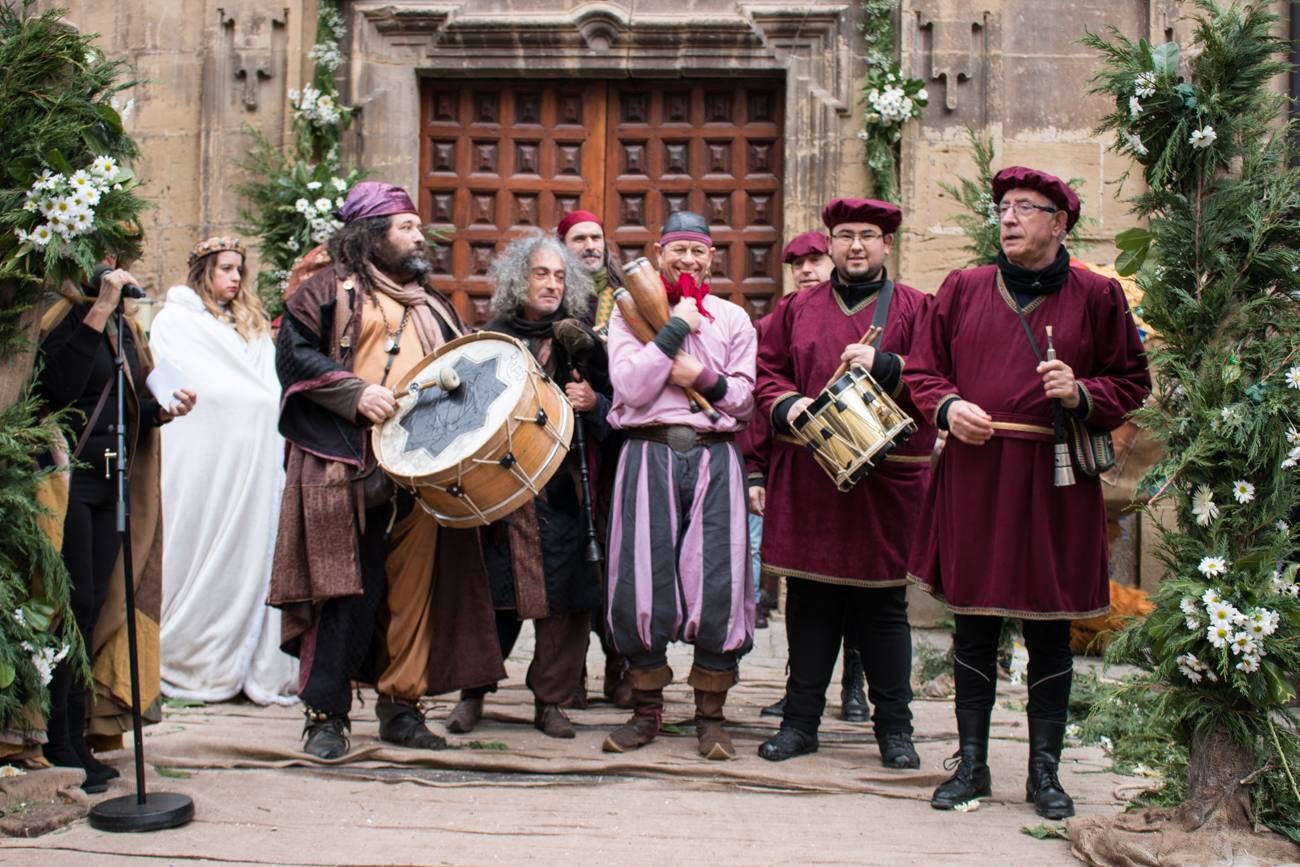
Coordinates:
[32,635]
[290,203]
[892,99]
[57,116]
[1043,831]
[1220,270]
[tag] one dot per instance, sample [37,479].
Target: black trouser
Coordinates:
[1051,664]
[348,646]
[90,547]
[818,617]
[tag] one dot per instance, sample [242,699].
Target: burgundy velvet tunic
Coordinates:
[996,535]
[811,529]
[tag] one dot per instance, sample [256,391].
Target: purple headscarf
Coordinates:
[375,199]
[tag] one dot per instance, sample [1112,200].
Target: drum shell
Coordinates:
[479,488]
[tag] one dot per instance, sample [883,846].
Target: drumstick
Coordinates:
[645,332]
[872,333]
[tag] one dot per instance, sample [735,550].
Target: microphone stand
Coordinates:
[144,812]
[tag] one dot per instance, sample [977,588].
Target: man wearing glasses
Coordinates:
[845,552]
[998,536]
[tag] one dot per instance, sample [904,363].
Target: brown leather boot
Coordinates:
[551,721]
[465,715]
[647,685]
[578,701]
[710,696]
[618,691]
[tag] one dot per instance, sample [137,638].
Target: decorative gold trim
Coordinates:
[1023,428]
[1007,612]
[779,572]
[1011,301]
[898,386]
[861,304]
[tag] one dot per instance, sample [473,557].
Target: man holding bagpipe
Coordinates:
[1007,530]
[678,542]
[843,543]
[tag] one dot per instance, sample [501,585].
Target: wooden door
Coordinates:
[498,158]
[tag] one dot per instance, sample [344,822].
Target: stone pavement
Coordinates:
[510,793]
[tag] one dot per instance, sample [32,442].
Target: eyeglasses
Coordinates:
[1024,209]
[850,237]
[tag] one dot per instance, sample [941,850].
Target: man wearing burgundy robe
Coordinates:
[844,552]
[998,538]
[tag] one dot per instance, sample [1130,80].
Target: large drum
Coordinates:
[479,430]
[851,426]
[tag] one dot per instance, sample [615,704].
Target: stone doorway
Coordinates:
[500,156]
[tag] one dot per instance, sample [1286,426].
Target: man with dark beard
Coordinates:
[370,586]
[584,234]
[535,556]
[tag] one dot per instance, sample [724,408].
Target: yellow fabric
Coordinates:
[113,663]
[52,496]
[371,355]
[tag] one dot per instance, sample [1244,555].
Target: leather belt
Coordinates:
[680,436]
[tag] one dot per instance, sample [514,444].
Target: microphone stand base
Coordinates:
[126,814]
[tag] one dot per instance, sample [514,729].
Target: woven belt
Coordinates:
[680,436]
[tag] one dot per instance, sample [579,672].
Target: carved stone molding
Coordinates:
[953,37]
[253,45]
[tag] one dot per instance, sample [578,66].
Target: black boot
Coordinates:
[66,731]
[971,780]
[786,744]
[402,723]
[853,698]
[777,708]
[1043,786]
[896,750]
[324,732]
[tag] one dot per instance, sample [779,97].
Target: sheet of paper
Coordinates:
[165,380]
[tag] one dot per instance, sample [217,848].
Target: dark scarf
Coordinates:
[520,326]
[853,293]
[1024,282]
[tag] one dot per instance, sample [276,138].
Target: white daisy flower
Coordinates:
[1262,621]
[1292,437]
[1293,377]
[1194,624]
[313,185]
[1243,642]
[323,204]
[1190,673]
[1188,606]
[81,224]
[1211,567]
[301,206]
[1243,491]
[80,179]
[1134,107]
[1211,676]
[41,235]
[1145,84]
[339,184]
[1203,137]
[1248,664]
[1203,506]
[1219,634]
[1135,144]
[30,205]
[1228,413]
[23,238]
[1211,596]
[105,166]
[92,196]
[1283,527]
[1221,612]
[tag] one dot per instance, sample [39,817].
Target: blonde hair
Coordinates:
[245,308]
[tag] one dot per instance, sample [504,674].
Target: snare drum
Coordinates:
[478,451]
[851,426]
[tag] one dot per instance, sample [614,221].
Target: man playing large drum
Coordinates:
[371,588]
[678,542]
[535,556]
[844,552]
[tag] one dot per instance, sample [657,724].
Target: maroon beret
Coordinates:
[872,211]
[375,199]
[804,245]
[573,218]
[1013,177]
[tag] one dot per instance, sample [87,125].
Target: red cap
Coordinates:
[872,211]
[1049,185]
[804,245]
[375,199]
[573,218]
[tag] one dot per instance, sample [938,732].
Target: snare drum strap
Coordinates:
[881,312]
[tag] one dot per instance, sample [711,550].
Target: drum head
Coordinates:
[435,429]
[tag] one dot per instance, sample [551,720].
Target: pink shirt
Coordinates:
[727,345]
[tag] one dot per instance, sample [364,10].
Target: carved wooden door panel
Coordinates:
[498,158]
[710,148]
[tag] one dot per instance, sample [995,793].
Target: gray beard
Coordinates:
[413,267]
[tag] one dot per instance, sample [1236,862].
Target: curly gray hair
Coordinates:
[509,275]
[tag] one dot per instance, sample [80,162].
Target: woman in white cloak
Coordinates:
[221,480]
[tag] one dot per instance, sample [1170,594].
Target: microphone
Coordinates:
[130,290]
